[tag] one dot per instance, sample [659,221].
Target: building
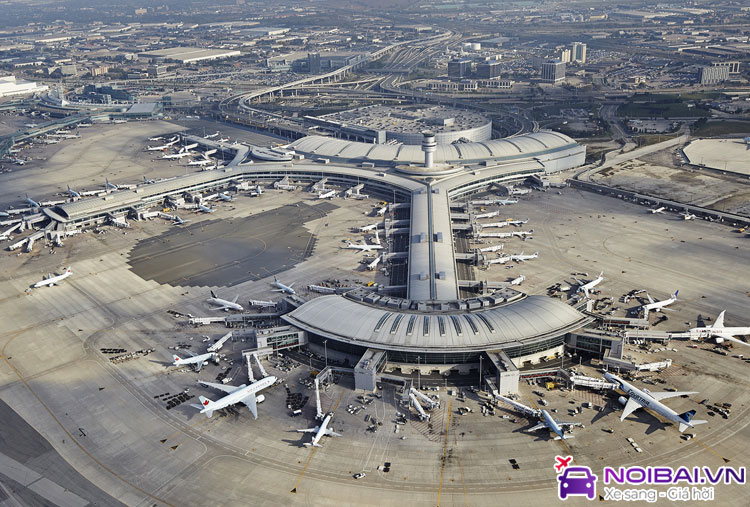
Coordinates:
[156,70]
[713,75]
[186,55]
[10,86]
[313,63]
[734,67]
[459,68]
[553,72]
[565,56]
[578,53]
[488,70]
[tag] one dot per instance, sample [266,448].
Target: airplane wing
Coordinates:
[308,430]
[221,387]
[732,338]
[220,308]
[236,298]
[199,364]
[650,299]
[249,400]
[665,394]
[538,427]
[630,407]
[565,424]
[332,433]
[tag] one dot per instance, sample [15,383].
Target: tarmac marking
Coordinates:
[70,435]
[726,460]
[460,466]
[445,446]
[314,449]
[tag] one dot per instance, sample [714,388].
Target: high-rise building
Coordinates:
[488,70]
[565,55]
[734,67]
[578,53]
[459,68]
[713,75]
[313,63]
[553,72]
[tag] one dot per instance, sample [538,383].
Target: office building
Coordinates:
[565,56]
[459,68]
[313,63]
[713,75]
[734,67]
[553,72]
[578,53]
[488,70]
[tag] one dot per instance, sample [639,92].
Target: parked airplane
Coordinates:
[33,203]
[257,192]
[521,257]
[381,211]
[262,304]
[286,289]
[158,138]
[366,228]
[363,248]
[148,181]
[586,287]
[197,360]
[157,148]
[545,419]
[327,195]
[190,146]
[518,281]
[657,210]
[718,332]
[225,197]
[224,304]
[235,394]
[505,202]
[178,221]
[638,398]
[688,216]
[73,193]
[320,430]
[205,209]
[214,135]
[179,154]
[110,186]
[50,280]
[658,305]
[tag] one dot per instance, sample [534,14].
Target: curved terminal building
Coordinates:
[431,322]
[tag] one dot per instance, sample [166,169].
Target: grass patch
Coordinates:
[722,128]
[653,105]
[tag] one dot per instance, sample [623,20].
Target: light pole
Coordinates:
[480,372]
[419,373]
[325,347]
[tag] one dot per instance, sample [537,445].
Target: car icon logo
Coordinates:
[577,481]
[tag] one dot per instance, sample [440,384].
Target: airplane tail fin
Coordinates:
[650,299]
[213,295]
[206,404]
[176,358]
[675,294]
[719,323]
[687,417]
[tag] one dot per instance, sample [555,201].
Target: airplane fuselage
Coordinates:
[239,395]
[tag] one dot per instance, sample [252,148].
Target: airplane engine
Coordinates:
[622,400]
[719,339]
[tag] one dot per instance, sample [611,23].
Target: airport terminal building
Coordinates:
[433,324]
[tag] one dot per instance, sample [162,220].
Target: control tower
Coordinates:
[429,147]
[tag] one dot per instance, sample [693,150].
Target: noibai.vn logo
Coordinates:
[685,484]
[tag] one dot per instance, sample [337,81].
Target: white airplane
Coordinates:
[657,210]
[374,263]
[638,398]
[235,394]
[658,305]
[225,197]
[158,138]
[521,257]
[197,360]
[179,154]
[157,148]
[33,203]
[262,304]
[224,304]
[204,161]
[110,186]
[688,216]
[505,202]
[320,430]
[493,248]
[518,281]
[327,195]
[545,419]
[178,221]
[366,228]
[190,147]
[51,141]
[362,248]
[381,211]
[516,234]
[586,287]
[205,209]
[214,135]
[148,181]
[73,193]
[222,140]
[718,332]
[49,280]
[286,289]
[257,192]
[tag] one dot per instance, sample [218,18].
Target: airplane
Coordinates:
[688,216]
[214,135]
[363,248]
[179,221]
[262,304]
[518,281]
[158,138]
[286,289]
[718,332]
[51,141]
[320,430]
[179,154]
[33,203]
[110,186]
[148,181]
[545,419]
[222,140]
[381,211]
[4,214]
[205,209]
[224,304]
[157,148]
[235,394]
[73,193]
[53,280]
[638,398]
[224,197]
[190,146]
[327,195]
[505,202]
[257,192]
[366,228]
[658,305]
[204,162]
[521,257]
[657,210]
[586,287]
[197,360]
[493,248]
